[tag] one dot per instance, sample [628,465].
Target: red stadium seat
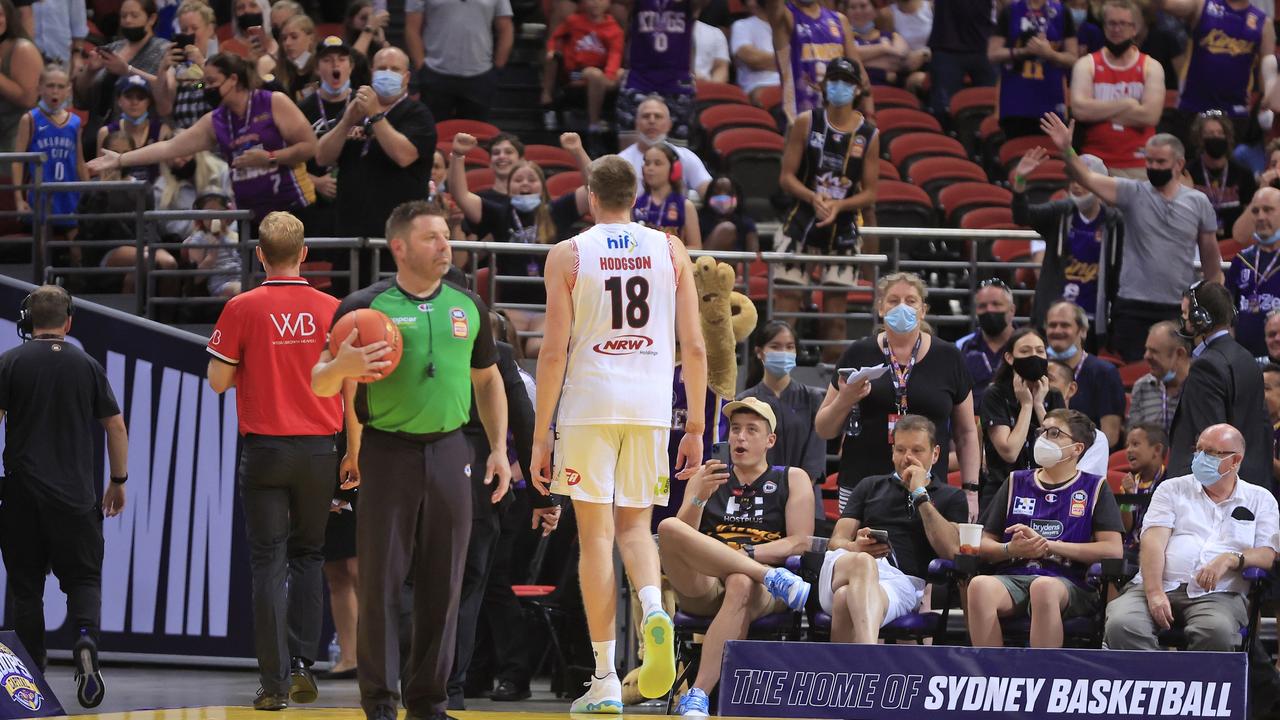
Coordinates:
[482,285]
[709,93]
[1171,98]
[1013,150]
[480,179]
[723,117]
[743,139]
[888,171]
[324,30]
[900,204]
[769,97]
[225,32]
[906,149]
[933,173]
[988,218]
[968,108]
[990,138]
[562,184]
[1007,249]
[1119,460]
[752,157]
[1229,249]
[956,199]
[896,121]
[550,158]
[887,96]
[478,157]
[1129,374]
[482,131]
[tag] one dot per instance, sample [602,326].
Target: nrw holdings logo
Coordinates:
[623,345]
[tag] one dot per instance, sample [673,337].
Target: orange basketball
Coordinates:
[374,326]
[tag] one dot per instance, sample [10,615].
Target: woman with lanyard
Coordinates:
[527,215]
[263,135]
[1213,170]
[926,377]
[661,203]
[1013,408]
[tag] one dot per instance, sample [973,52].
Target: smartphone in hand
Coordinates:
[721,453]
[880,536]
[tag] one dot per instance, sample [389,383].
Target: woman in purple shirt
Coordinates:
[263,136]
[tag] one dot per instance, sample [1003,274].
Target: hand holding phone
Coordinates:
[880,536]
[721,453]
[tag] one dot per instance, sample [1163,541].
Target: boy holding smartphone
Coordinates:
[892,527]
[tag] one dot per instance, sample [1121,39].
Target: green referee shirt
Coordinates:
[448,331]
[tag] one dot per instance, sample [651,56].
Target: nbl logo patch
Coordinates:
[1079,501]
[458,319]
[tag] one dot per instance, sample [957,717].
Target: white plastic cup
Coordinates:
[970,538]
[818,544]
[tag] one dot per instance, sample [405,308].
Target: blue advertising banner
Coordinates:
[175,578]
[23,690]
[914,682]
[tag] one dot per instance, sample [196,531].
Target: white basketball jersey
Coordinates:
[622,345]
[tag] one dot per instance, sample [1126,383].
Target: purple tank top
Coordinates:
[814,43]
[667,217]
[1080,267]
[1032,86]
[145,173]
[1064,513]
[661,40]
[260,189]
[1224,53]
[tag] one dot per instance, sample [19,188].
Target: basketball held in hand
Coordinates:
[373,326]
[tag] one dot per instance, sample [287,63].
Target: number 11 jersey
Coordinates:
[622,343]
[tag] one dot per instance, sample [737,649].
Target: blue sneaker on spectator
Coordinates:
[694,704]
[787,587]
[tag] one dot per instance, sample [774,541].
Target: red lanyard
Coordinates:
[901,374]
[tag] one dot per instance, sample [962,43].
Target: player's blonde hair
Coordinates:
[281,238]
[613,181]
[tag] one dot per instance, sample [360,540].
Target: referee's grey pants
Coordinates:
[287,484]
[413,521]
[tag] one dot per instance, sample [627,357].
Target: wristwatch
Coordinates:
[919,498]
[376,118]
[750,550]
[120,480]
[271,159]
[1239,559]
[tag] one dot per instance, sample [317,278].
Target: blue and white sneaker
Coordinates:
[694,704]
[787,587]
[604,696]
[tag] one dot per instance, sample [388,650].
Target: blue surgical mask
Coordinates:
[1205,468]
[1168,377]
[839,92]
[1079,15]
[526,203]
[387,83]
[141,119]
[336,89]
[902,319]
[779,363]
[1268,240]
[1062,354]
[44,106]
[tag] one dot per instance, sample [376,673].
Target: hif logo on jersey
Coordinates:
[621,242]
[18,682]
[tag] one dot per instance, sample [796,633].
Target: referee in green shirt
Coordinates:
[414,516]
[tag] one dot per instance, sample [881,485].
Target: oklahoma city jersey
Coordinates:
[622,344]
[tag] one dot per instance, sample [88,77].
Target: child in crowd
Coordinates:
[225,257]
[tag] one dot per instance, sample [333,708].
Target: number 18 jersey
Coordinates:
[622,343]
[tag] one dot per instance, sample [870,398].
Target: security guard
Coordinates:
[415,464]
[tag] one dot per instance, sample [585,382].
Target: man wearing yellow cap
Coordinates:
[722,550]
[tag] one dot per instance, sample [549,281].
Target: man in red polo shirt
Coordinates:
[265,344]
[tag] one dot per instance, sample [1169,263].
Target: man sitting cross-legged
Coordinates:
[865,583]
[735,524]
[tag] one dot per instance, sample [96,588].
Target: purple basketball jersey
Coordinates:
[667,217]
[1064,514]
[814,43]
[1224,52]
[1254,280]
[1080,267]
[1031,87]
[661,41]
[260,189]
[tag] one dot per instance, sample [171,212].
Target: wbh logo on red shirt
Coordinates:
[294,327]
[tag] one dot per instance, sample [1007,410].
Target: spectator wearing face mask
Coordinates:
[136,119]
[1228,184]
[724,222]
[1254,276]
[1101,394]
[1155,396]
[794,404]
[1088,29]
[983,349]
[1082,245]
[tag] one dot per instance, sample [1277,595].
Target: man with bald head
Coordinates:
[383,146]
[1254,276]
[1200,532]
[653,126]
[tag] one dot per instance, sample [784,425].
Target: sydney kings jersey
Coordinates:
[1224,53]
[814,43]
[1032,86]
[1117,145]
[667,216]
[260,189]
[830,166]
[661,40]
[1080,265]
[622,345]
[1064,513]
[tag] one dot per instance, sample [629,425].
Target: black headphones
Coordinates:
[1199,317]
[25,327]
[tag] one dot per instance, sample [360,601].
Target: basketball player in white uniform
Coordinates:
[618,295]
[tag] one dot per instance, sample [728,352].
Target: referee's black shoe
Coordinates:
[302,684]
[89,686]
[270,701]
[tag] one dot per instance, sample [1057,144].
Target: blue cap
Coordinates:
[133,82]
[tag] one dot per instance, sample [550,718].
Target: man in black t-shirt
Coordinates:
[384,146]
[958,41]
[54,396]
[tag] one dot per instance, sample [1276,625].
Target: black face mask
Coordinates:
[993,323]
[1215,147]
[249,20]
[277,33]
[185,171]
[1119,48]
[212,97]
[133,34]
[1160,177]
[1031,368]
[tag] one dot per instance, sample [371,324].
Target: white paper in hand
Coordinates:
[853,375]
